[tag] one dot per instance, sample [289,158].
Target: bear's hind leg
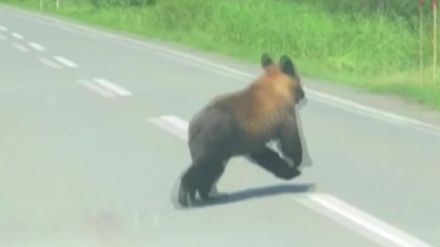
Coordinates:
[187,188]
[271,161]
[199,177]
[212,177]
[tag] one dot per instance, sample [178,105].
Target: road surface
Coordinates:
[92,141]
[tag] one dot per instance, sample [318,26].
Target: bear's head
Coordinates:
[286,66]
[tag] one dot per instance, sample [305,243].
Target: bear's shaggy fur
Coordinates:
[242,123]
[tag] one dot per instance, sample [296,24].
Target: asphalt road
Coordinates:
[92,141]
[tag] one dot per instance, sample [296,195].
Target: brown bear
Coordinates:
[241,124]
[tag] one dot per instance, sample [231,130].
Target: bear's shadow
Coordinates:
[254,193]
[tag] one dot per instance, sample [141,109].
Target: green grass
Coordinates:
[364,44]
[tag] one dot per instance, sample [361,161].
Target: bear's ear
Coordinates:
[287,66]
[266,60]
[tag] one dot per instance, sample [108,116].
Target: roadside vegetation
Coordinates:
[369,44]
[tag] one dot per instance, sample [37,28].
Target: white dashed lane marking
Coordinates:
[3,29]
[20,47]
[66,62]
[49,63]
[113,87]
[17,36]
[96,88]
[36,46]
[172,124]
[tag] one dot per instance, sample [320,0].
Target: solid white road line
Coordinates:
[3,29]
[367,222]
[113,87]
[20,47]
[212,66]
[369,111]
[328,205]
[36,46]
[96,88]
[17,36]
[49,63]
[66,62]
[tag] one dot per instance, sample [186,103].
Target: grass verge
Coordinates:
[350,44]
